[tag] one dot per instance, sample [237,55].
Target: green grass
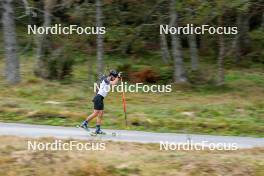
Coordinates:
[234,109]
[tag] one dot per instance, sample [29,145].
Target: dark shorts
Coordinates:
[98,102]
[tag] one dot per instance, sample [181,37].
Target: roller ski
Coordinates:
[101,133]
[98,132]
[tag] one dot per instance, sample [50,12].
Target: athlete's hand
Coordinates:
[120,74]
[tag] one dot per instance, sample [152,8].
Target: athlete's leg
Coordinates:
[99,117]
[99,121]
[90,117]
[93,115]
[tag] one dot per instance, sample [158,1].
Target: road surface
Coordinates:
[25,130]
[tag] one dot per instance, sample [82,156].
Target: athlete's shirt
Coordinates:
[104,87]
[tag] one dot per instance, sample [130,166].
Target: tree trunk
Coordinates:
[91,75]
[165,54]
[41,69]
[26,5]
[193,52]
[179,75]
[221,55]
[236,49]
[262,23]
[100,37]
[12,70]
[242,46]
[245,34]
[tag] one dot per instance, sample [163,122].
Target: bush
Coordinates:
[60,68]
[166,75]
[57,65]
[147,75]
[199,77]
[257,38]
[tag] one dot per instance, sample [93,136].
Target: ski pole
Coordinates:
[124,101]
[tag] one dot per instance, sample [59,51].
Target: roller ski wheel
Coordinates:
[114,134]
[79,126]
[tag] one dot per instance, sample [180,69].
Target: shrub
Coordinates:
[199,77]
[166,75]
[147,75]
[57,65]
[60,67]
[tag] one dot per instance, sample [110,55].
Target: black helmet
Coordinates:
[113,73]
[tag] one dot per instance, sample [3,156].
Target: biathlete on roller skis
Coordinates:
[105,82]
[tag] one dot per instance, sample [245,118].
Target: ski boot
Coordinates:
[84,125]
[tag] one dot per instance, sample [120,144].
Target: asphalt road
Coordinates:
[35,131]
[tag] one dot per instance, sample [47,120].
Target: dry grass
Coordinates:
[125,159]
